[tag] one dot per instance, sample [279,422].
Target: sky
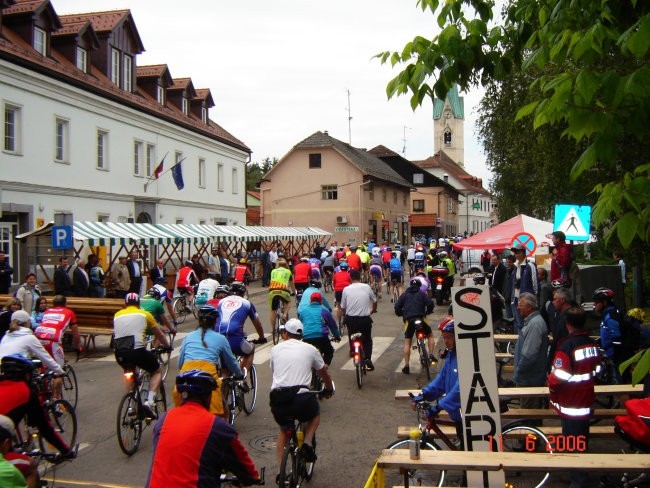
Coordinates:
[281,70]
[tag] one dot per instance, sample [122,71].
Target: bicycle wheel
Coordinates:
[160,405]
[163,360]
[129,424]
[360,371]
[416,478]
[193,308]
[64,421]
[69,390]
[308,468]
[250,396]
[288,476]
[522,438]
[327,284]
[178,305]
[424,358]
[276,328]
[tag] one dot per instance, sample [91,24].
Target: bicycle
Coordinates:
[184,304]
[227,479]
[164,356]
[327,282]
[69,385]
[239,394]
[358,358]
[278,324]
[131,413]
[422,348]
[514,437]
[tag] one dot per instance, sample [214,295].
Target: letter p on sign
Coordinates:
[61,237]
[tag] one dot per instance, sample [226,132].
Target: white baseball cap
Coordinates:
[294,326]
[21,316]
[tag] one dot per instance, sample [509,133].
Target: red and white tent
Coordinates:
[501,236]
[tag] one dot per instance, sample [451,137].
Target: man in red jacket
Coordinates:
[562,257]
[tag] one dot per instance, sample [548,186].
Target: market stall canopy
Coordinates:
[112,233]
[501,236]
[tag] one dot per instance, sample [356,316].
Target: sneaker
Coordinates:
[369,365]
[244,386]
[149,411]
[406,369]
[308,453]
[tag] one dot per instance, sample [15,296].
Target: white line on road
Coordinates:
[379,345]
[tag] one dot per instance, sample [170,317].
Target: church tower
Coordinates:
[448,126]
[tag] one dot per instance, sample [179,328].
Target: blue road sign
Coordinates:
[574,221]
[62,237]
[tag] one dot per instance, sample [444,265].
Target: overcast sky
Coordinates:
[280,70]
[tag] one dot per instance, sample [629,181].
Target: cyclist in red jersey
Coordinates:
[242,272]
[301,274]
[186,279]
[354,260]
[340,280]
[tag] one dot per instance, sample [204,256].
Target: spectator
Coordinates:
[507,285]
[486,258]
[158,274]
[214,268]
[5,274]
[134,265]
[97,279]
[198,268]
[544,293]
[556,311]
[80,280]
[39,310]
[531,351]
[225,268]
[524,280]
[28,293]
[562,257]
[618,257]
[62,281]
[11,306]
[121,278]
[265,259]
[499,274]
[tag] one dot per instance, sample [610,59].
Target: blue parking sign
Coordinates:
[61,237]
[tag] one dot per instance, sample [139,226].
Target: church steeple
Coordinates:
[448,126]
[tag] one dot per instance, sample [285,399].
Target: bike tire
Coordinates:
[288,476]
[276,329]
[163,360]
[513,439]
[129,424]
[309,467]
[178,305]
[161,401]
[424,358]
[70,387]
[63,419]
[359,373]
[250,396]
[416,478]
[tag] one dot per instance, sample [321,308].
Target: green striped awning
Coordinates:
[111,233]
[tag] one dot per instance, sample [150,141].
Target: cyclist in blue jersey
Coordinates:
[317,323]
[396,275]
[305,300]
[233,312]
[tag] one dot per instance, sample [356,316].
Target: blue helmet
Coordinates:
[195,382]
[16,366]
[344,265]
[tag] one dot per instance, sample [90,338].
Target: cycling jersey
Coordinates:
[365,257]
[55,322]
[385,256]
[354,261]
[233,311]
[241,270]
[133,322]
[340,280]
[445,387]
[153,306]
[186,277]
[280,278]
[302,272]
[305,299]
[206,290]
[164,294]
[317,321]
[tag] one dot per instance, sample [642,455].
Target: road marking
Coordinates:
[379,345]
[88,483]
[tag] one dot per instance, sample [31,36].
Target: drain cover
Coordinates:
[264,443]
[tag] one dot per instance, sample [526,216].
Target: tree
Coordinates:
[588,71]
[256,171]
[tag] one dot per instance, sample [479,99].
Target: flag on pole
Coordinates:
[177,174]
[159,169]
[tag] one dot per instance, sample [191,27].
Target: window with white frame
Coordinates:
[128,73]
[185,105]
[160,95]
[201,173]
[115,66]
[329,192]
[12,129]
[235,181]
[202,221]
[102,149]
[220,177]
[204,114]
[138,158]
[151,160]
[82,59]
[62,140]
[40,41]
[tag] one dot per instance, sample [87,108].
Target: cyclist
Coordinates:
[446,261]
[205,291]
[410,259]
[220,293]
[329,262]
[186,279]
[376,270]
[280,290]
[206,350]
[340,280]
[445,387]
[386,254]
[425,284]
[353,259]
[419,257]
[412,305]
[291,364]
[197,460]
[19,399]
[318,322]
[305,300]
[358,302]
[242,273]
[151,303]
[315,264]
[130,326]
[17,470]
[302,273]
[365,263]
[162,294]
[233,311]
[610,328]
[396,275]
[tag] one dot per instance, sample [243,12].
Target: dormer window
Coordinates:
[115,66]
[204,114]
[40,41]
[185,106]
[418,178]
[82,59]
[160,95]
[128,73]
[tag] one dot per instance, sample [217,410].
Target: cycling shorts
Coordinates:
[396,276]
[139,357]
[375,270]
[300,287]
[337,296]
[315,273]
[240,346]
[277,296]
[328,269]
[55,350]
[303,408]
[409,328]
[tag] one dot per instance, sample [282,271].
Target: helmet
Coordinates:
[415,282]
[16,366]
[208,312]
[238,288]
[637,313]
[132,298]
[447,324]
[389,248]
[603,295]
[195,382]
[154,292]
[314,283]
[242,261]
[222,289]
[344,265]
[560,283]
[442,254]
[187,262]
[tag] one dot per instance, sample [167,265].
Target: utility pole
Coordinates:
[404,139]
[349,109]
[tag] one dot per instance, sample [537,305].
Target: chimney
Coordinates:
[446,178]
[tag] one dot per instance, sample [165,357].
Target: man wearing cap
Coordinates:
[562,257]
[318,322]
[358,302]
[524,280]
[291,363]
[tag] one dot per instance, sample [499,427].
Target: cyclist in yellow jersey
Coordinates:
[280,288]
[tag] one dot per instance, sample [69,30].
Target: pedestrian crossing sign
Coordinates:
[574,221]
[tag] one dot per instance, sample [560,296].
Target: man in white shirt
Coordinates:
[358,302]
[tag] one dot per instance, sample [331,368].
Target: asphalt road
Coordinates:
[355,424]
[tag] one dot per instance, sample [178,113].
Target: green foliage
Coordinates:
[585,64]
[641,363]
[256,171]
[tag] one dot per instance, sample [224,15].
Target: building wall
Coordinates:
[475,212]
[455,150]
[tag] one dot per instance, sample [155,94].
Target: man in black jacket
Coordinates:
[62,282]
[135,272]
[411,305]
[499,273]
[5,274]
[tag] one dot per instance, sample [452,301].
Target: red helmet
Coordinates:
[447,324]
[603,295]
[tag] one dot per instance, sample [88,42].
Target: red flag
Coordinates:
[158,170]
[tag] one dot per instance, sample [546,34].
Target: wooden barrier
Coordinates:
[546,413]
[549,430]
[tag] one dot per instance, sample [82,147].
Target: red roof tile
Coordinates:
[70,27]
[180,83]
[101,21]
[151,71]
[23,6]
[444,162]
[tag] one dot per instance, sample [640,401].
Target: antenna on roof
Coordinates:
[349,119]
[404,139]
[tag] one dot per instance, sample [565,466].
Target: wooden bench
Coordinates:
[550,430]
[547,413]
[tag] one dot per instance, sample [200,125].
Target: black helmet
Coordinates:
[154,292]
[222,289]
[16,366]
[207,312]
[238,288]
[603,295]
[195,382]
[415,282]
[314,283]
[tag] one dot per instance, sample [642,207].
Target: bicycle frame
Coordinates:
[357,349]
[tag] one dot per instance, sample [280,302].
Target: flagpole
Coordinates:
[152,178]
[163,173]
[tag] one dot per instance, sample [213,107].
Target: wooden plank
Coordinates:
[503,355]
[512,461]
[505,337]
[552,430]
[547,413]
